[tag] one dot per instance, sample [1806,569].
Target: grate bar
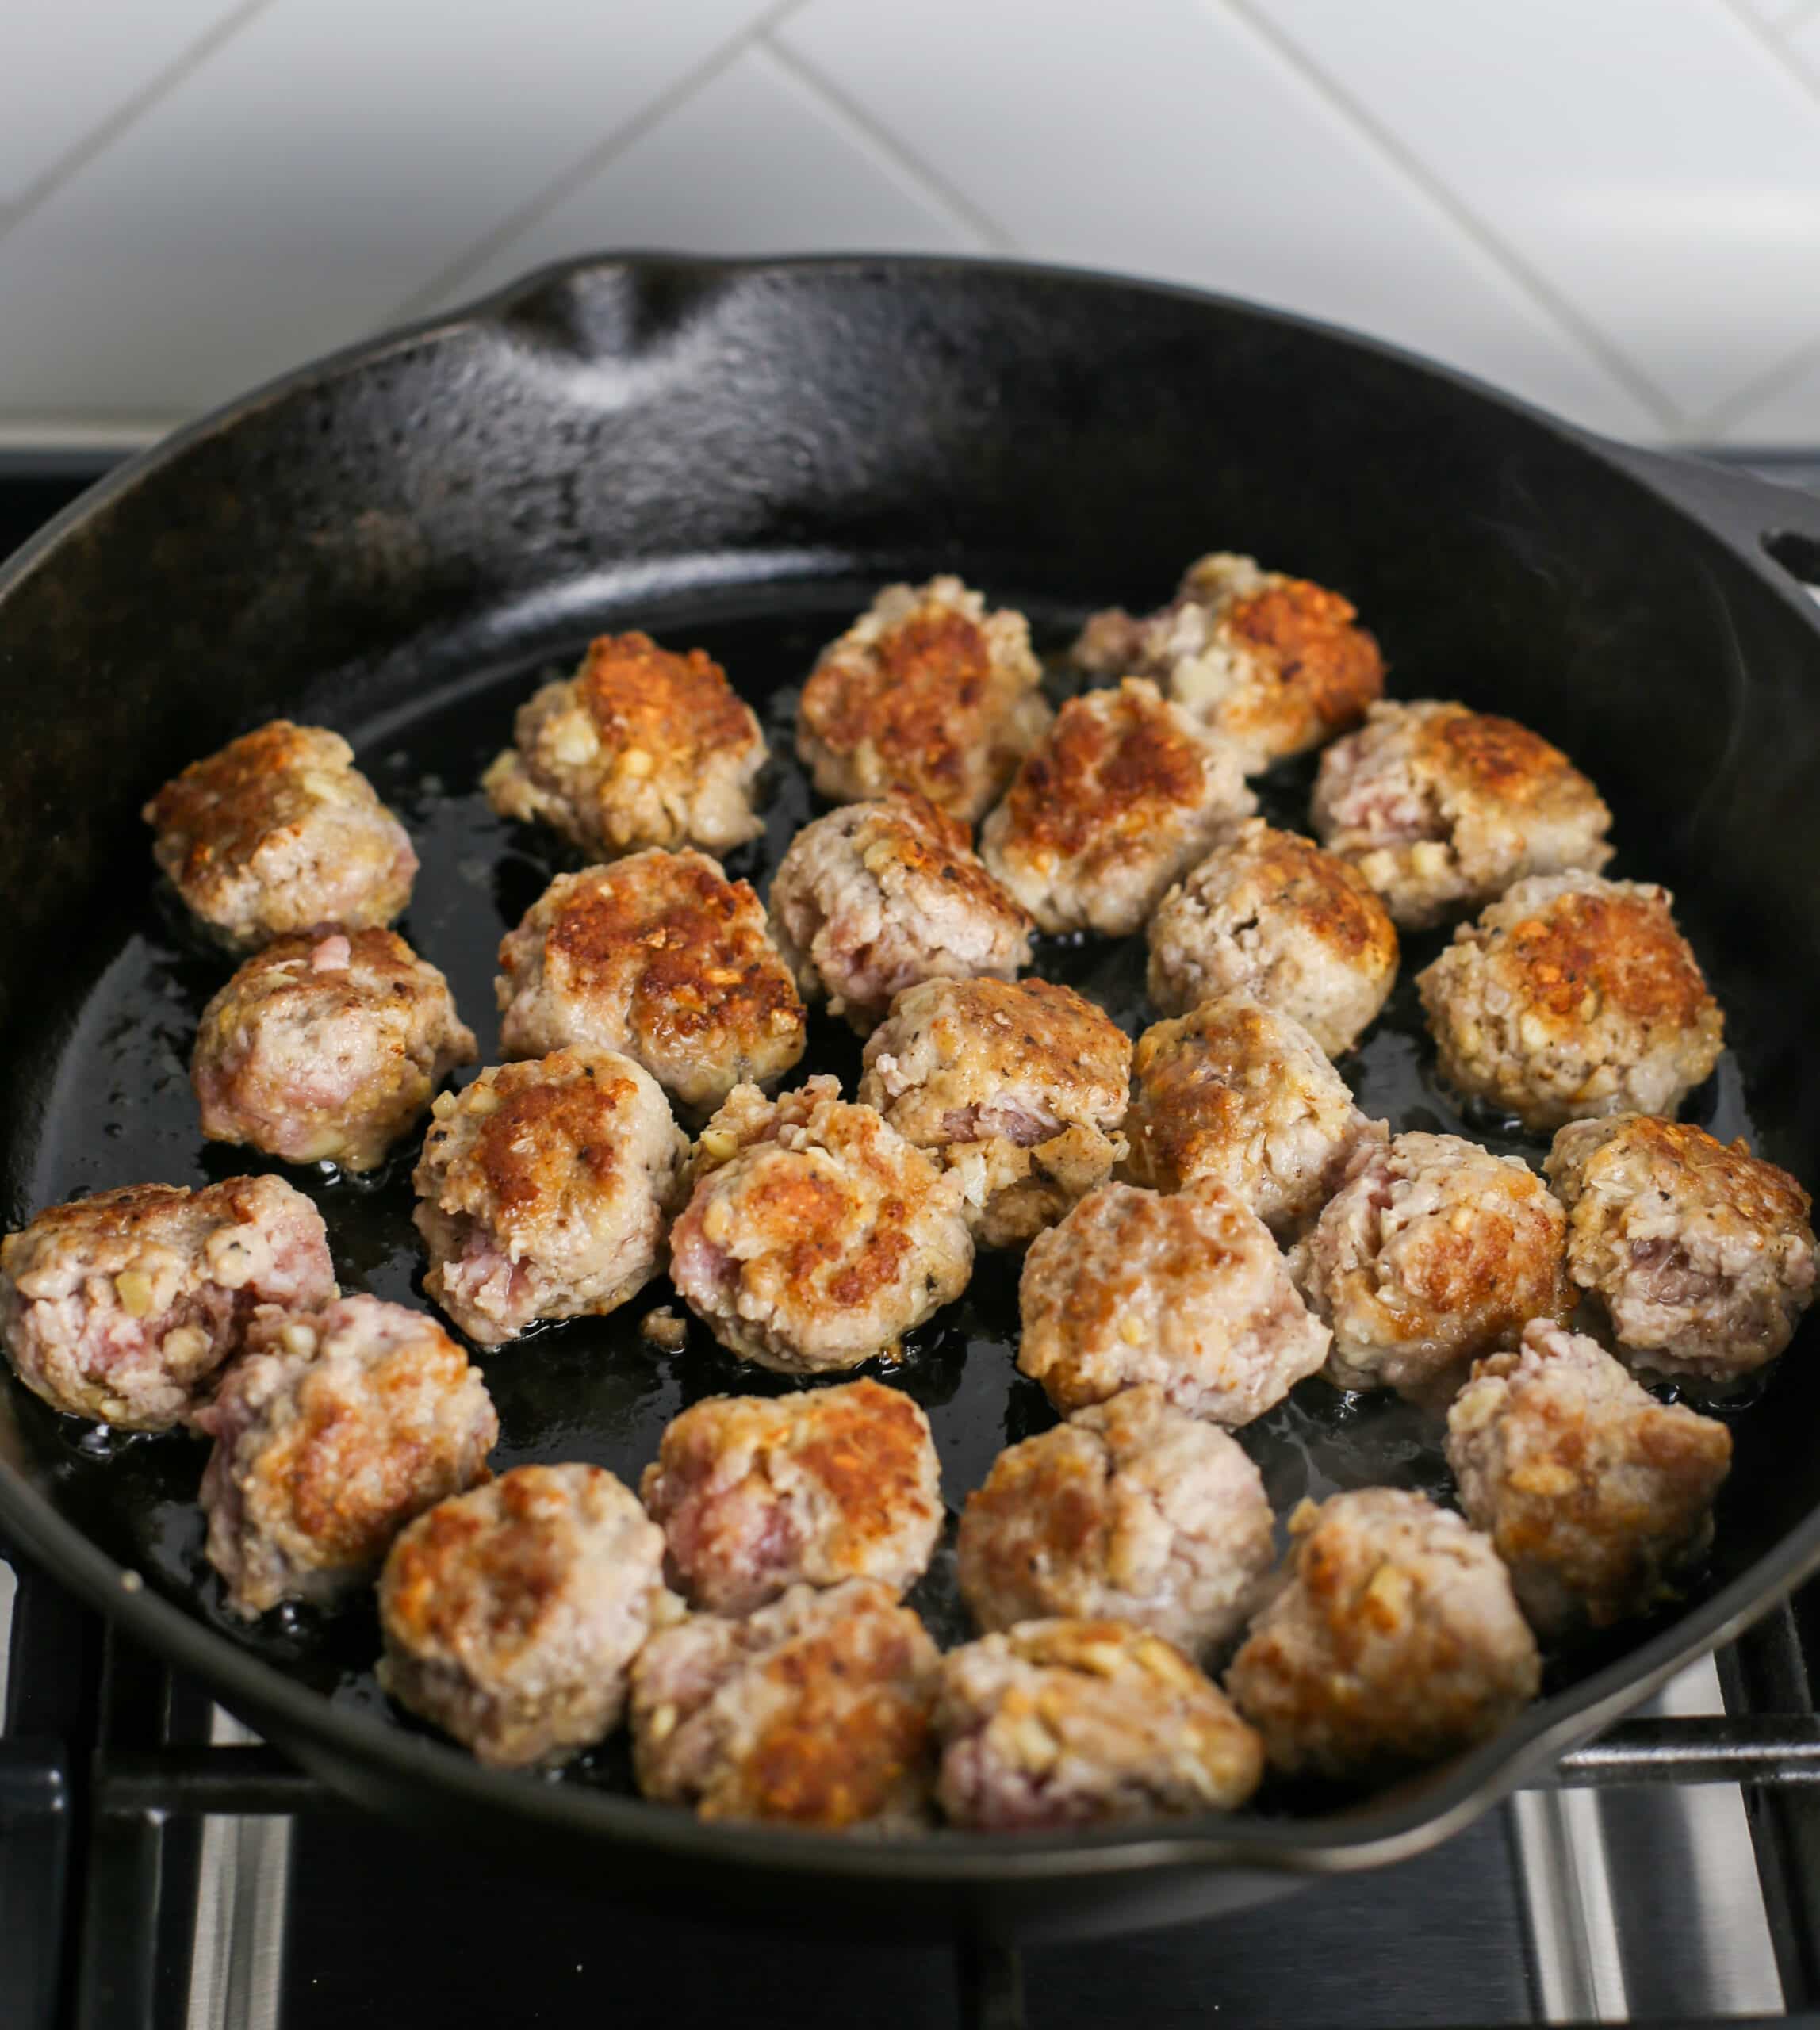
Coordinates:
[1764,1751]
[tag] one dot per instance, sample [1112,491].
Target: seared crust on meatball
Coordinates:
[661,956]
[1573,996]
[1058,1723]
[1121,795]
[816,1236]
[1396,1642]
[334,1429]
[642,746]
[1270,914]
[875,896]
[756,1493]
[927,691]
[1018,1087]
[543,1189]
[1702,1258]
[327,1047]
[1441,809]
[278,832]
[815,1712]
[1187,1291]
[122,1306]
[512,1614]
[1593,1493]
[1433,1251]
[1131,1510]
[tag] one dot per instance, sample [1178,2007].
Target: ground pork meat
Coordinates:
[543,1190]
[1274,664]
[1123,794]
[279,832]
[333,1429]
[661,956]
[122,1306]
[927,691]
[1187,1291]
[1701,1258]
[1397,1640]
[1433,1251]
[757,1493]
[1131,1510]
[816,1236]
[813,1712]
[1059,1723]
[1570,998]
[642,747]
[1019,1088]
[512,1614]
[327,1047]
[1270,914]
[1593,1492]
[1441,809]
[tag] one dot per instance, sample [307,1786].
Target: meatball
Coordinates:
[1433,1251]
[334,1429]
[279,832]
[1396,1641]
[1187,1291]
[327,1047]
[642,747]
[1121,796]
[927,691]
[661,956]
[1236,1094]
[1593,1492]
[816,1236]
[512,1614]
[1019,1088]
[1573,996]
[755,1494]
[1270,914]
[1060,1723]
[1272,664]
[813,1712]
[1441,809]
[1131,1510]
[1701,1258]
[875,896]
[122,1306]
[544,1188]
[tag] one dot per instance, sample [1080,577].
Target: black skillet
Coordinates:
[396,542]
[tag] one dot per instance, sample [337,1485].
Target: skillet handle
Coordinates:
[1777,525]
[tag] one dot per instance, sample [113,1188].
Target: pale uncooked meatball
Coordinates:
[1593,1493]
[927,691]
[1123,794]
[543,1190]
[1397,1641]
[1441,809]
[1433,1251]
[1131,1510]
[327,1049]
[512,1614]
[1018,1087]
[1059,1723]
[757,1493]
[875,896]
[658,955]
[1570,998]
[816,1236]
[1187,1291]
[1270,914]
[122,1306]
[1701,1258]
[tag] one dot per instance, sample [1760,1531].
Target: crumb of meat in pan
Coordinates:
[665,1328]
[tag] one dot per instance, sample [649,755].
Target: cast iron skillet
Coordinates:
[396,541]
